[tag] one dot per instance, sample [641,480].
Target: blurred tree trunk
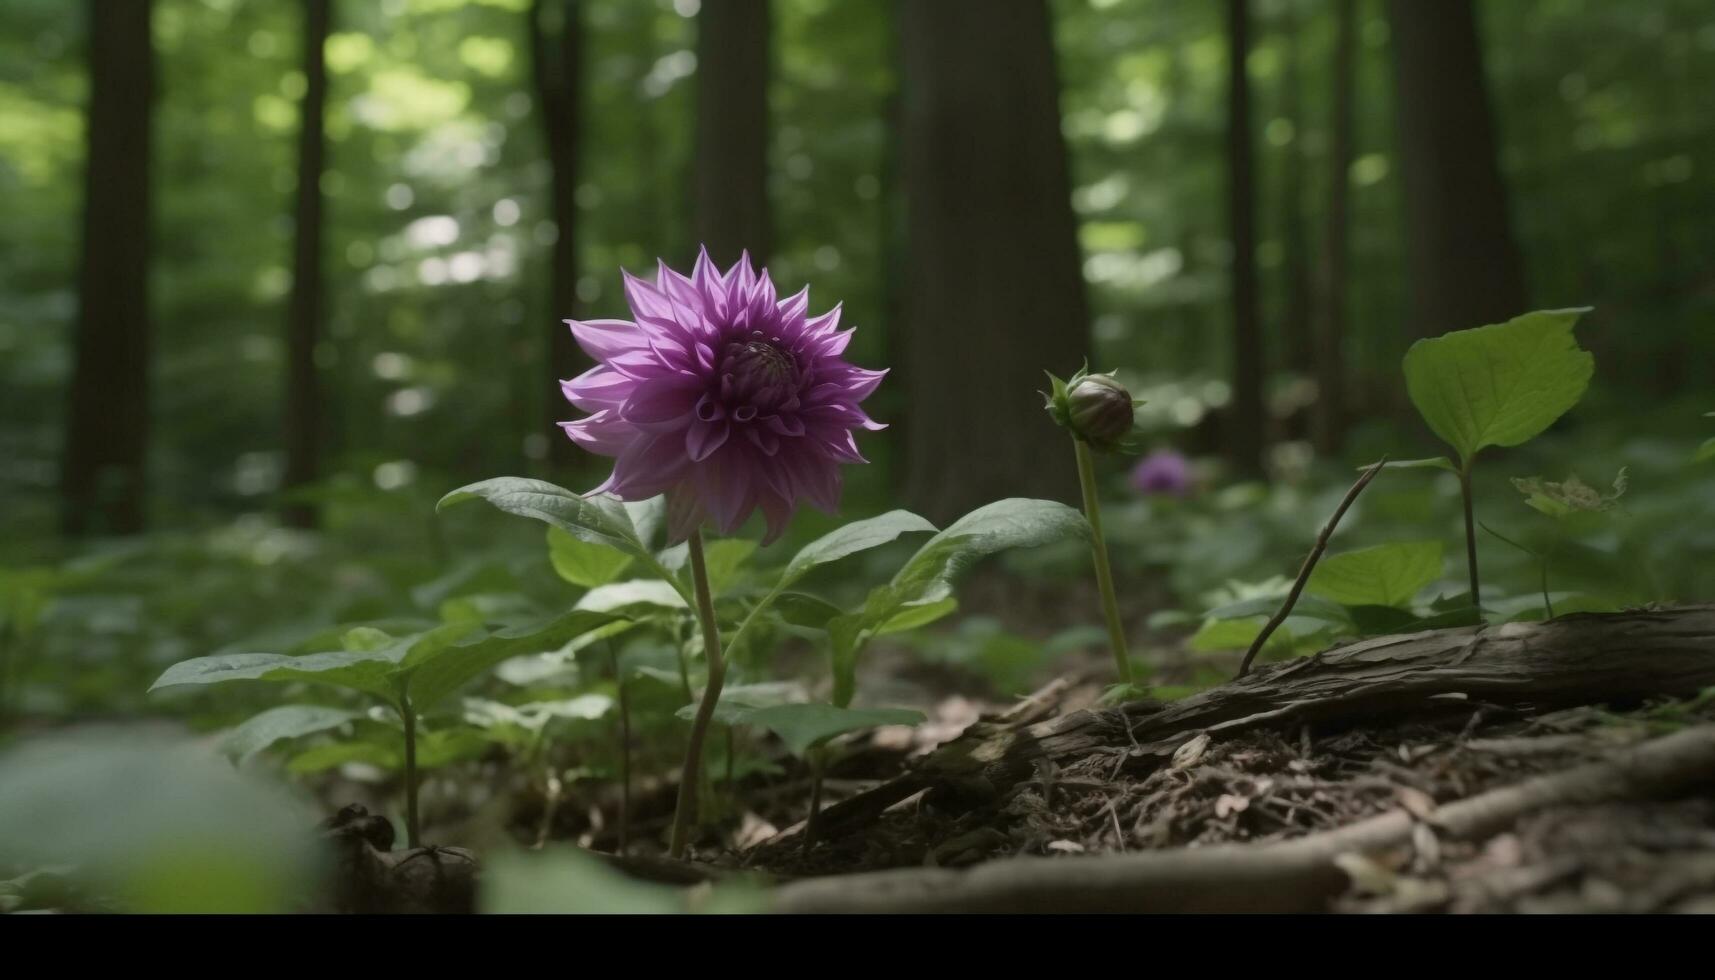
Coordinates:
[1465,267]
[304,307]
[995,292]
[557,62]
[1328,414]
[106,434]
[1295,324]
[731,211]
[1244,436]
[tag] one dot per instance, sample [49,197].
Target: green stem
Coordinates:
[1104,575]
[692,771]
[817,767]
[1470,533]
[409,715]
[624,752]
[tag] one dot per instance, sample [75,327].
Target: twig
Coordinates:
[1310,564]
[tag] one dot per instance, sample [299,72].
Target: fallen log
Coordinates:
[1300,875]
[1588,658]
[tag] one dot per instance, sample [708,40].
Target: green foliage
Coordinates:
[1499,385]
[1385,575]
[805,726]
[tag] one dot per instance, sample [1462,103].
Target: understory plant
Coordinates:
[1100,415]
[1495,386]
[721,399]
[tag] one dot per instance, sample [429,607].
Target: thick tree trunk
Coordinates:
[995,293]
[1465,267]
[106,436]
[304,308]
[556,53]
[732,213]
[1249,420]
[1328,415]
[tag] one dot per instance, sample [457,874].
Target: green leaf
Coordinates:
[277,724]
[1705,452]
[368,672]
[803,609]
[1308,606]
[739,701]
[582,563]
[1499,385]
[1385,575]
[1431,463]
[1016,522]
[641,592]
[724,559]
[600,519]
[433,672]
[915,614]
[851,539]
[804,726]
[927,577]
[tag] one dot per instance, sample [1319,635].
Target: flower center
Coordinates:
[758,371]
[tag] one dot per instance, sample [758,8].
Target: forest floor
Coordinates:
[1467,770]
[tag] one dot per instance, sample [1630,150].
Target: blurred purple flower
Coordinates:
[1162,472]
[720,396]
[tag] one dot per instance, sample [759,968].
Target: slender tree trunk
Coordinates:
[106,436]
[1295,324]
[1465,267]
[731,212]
[995,293]
[304,308]
[1328,414]
[556,51]
[1245,436]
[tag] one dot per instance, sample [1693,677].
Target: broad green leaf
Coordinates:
[851,539]
[365,639]
[915,614]
[802,609]
[1499,385]
[804,726]
[1016,522]
[1385,575]
[647,516]
[385,748]
[584,564]
[1308,606]
[927,577]
[1570,497]
[434,671]
[647,592]
[507,608]
[739,701]
[276,724]
[599,519]
[368,672]
[1705,452]
[725,558]
[1431,463]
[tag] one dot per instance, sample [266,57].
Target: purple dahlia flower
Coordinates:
[721,396]
[1163,471]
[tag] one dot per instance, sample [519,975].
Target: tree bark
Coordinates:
[1328,414]
[104,470]
[732,213]
[304,307]
[1296,269]
[1465,267]
[557,64]
[1249,420]
[995,293]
